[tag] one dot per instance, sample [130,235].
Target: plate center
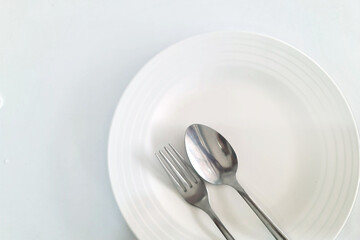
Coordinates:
[269,127]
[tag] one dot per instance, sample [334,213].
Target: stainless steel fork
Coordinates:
[190,186]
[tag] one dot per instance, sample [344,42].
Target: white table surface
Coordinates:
[63,68]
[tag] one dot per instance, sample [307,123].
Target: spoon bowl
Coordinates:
[210,154]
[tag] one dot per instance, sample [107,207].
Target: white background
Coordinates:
[64,65]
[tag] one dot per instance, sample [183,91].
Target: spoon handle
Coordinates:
[275,231]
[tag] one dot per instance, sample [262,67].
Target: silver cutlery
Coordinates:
[215,161]
[190,186]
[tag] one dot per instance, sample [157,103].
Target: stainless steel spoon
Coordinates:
[215,161]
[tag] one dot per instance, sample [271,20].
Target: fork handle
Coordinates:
[219,224]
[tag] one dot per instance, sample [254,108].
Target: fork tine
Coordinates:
[173,176]
[175,167]
[183,164]
[180,169]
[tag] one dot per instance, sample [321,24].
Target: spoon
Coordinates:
[215,161]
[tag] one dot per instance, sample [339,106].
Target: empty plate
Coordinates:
[291,128]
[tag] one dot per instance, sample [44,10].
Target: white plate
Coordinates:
[291,128]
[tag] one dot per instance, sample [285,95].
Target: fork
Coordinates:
[190,186]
